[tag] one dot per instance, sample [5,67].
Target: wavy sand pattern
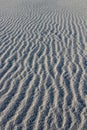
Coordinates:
[43,65]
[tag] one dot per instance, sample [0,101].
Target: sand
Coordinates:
[43,64]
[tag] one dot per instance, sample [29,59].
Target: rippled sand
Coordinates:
[43,65]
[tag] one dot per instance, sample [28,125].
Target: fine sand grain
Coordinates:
[43,64]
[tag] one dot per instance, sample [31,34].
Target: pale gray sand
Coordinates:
[43,65]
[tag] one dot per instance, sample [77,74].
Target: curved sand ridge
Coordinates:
[43,68]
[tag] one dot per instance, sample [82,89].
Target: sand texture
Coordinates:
[43,64]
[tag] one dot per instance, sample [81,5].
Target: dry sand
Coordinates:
[43,64]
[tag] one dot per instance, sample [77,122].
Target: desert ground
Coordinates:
[43,64]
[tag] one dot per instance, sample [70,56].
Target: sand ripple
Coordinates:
[43,67]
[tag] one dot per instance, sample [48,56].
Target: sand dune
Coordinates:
[43,65]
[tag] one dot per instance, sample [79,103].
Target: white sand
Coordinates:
[43,65]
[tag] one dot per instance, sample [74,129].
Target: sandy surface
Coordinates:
[43,64]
